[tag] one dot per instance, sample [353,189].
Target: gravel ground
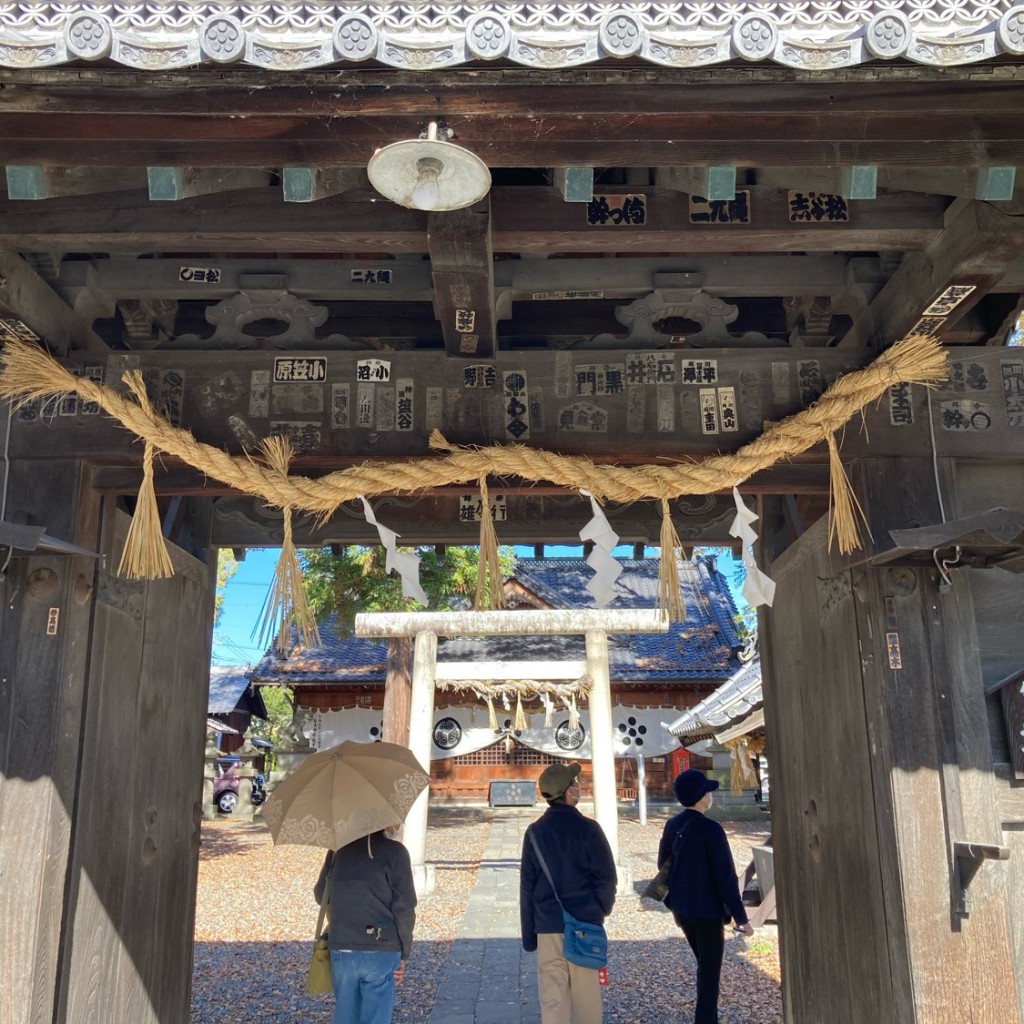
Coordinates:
[255,918]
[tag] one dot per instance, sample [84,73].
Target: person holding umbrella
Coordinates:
[372,913]
[344,798]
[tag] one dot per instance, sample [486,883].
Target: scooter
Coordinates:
[259,789]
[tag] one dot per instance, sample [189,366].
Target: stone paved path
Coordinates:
[488,978]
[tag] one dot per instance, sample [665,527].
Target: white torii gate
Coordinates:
[426,627]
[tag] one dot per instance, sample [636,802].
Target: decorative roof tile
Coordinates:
[730,703]
[165,35]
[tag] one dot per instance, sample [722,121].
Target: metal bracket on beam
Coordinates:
[26,181]
[859,182]
[575,183]
[995,183]
[968,859]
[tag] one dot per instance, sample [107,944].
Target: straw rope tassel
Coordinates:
[670,600]
[574,713]
[741,774]
[519,722]
[287,606]
[145,555]
[488,579]
[492,716]
[845,511]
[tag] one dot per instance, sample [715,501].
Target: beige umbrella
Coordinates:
[344,793]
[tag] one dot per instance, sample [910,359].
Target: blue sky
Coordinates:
[246,592]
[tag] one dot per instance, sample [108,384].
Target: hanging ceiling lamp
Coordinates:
[429,173]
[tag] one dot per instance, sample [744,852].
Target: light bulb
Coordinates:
[426,193]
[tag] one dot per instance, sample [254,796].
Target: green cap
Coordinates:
[557,778]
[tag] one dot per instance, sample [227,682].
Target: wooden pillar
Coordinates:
[421,723]
[641,788]
[881,766]
[398,690]
[602,750]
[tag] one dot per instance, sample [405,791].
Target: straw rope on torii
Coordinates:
[504,690]
[30,373]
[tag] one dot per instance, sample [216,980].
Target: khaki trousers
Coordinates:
[568,994]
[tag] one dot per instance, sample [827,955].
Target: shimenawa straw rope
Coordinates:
[30,373]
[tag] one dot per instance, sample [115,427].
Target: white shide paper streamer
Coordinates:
[601,586]
[407,566]
[757,587]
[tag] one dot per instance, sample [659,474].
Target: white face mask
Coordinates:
[711,800]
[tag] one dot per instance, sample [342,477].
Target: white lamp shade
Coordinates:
[426,174]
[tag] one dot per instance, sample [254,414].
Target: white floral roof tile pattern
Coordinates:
[426,36]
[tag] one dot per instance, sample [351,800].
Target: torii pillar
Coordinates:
[426,627]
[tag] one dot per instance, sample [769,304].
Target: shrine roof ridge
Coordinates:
[419,36]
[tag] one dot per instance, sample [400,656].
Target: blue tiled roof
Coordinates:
[338,659]
[229,691]
[703,647]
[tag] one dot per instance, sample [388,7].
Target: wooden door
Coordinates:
[127,956]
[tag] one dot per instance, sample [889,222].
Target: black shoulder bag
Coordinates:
[657,887]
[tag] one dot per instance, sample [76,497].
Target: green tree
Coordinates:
[355,581]
[226,568]
[745,617]
[280,703]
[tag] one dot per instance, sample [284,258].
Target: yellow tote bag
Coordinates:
[318,977]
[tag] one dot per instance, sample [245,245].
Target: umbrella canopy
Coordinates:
[343,793]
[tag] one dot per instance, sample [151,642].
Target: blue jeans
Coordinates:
[364,986]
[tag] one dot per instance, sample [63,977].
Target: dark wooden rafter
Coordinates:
[531,220]
[462,266]
[977,247]
[514,118]
[435,519]
[27,297]
[171,477]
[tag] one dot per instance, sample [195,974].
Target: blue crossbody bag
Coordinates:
[583,943]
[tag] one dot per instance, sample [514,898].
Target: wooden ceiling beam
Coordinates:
[172,184]
[360,133]
[335,280]
[462,267]
[523,220]
[173,478]
[711,182]
[34,181]
[310,184]
[28,298]
[501,91]
[530,519]
[976,249]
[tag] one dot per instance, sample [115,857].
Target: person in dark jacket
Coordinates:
[583,870]
[371,916]
[702,889]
